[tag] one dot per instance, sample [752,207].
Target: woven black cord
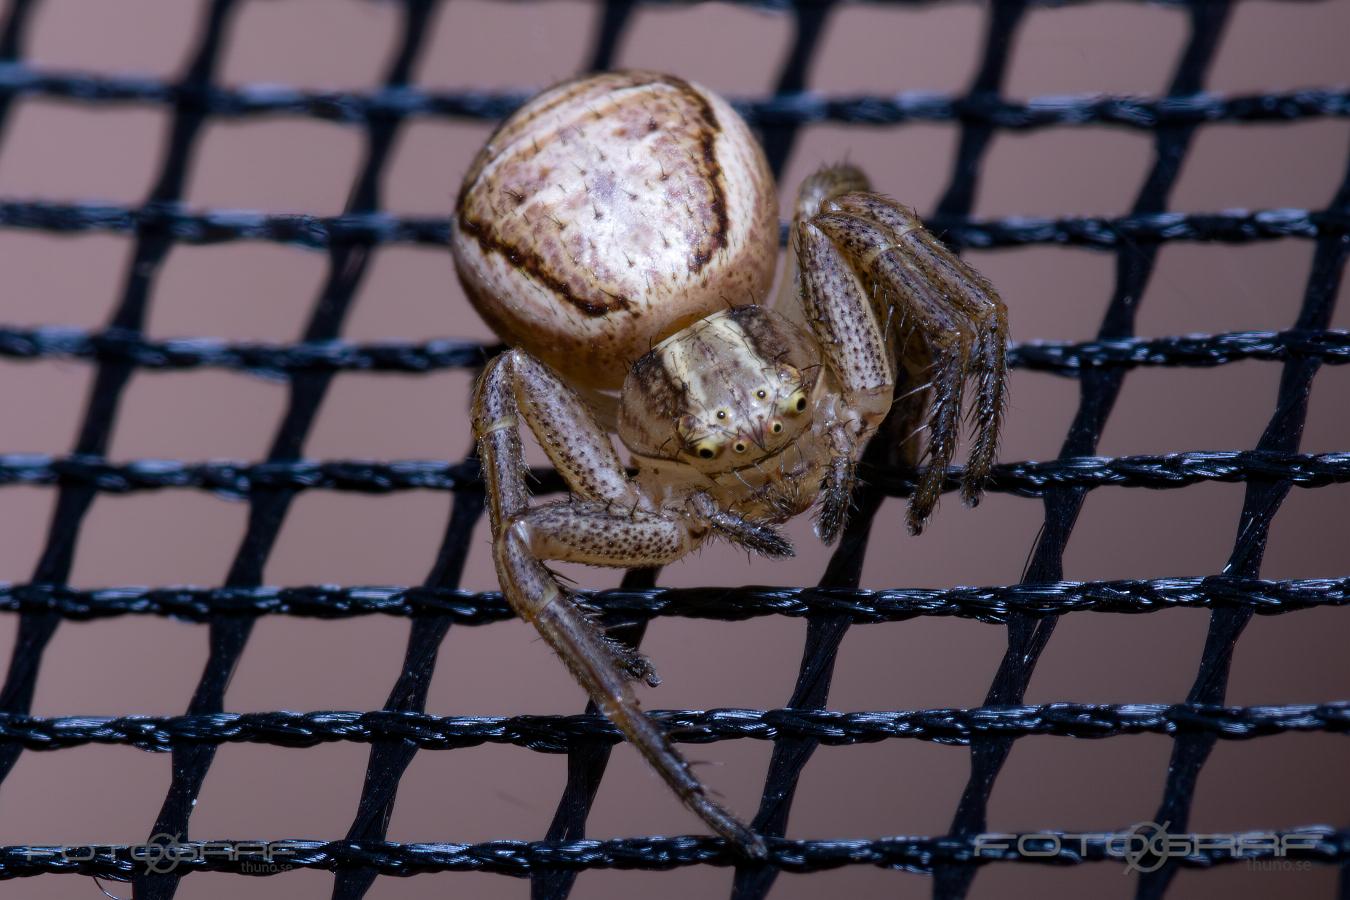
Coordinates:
[958,200]
[587,762]
[614,19]
[826,633]
[558,734]
[823,632]
[13,33]
[236,480]
[633,604]
[788,5]
[74,501]
[1283,433]
[1069,358]
[402,728]
[320,356]
[390,758]
[1065,358]
[35,629]
[791,106]
[584,774]
[960,197]
[586,766]
[778,133]
[1027,638]
[171,221]
[228,636]
[1315,843]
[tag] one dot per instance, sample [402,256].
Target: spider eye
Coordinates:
[739,447]
[707,449]
[761,393]
[776,427]
[796,403]
[721,414]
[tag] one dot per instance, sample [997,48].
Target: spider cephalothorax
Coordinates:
[620,232]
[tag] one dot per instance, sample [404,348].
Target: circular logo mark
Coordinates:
[1146,847]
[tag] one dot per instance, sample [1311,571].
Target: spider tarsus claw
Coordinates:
[741,839]
[972,487]
[836,499]
[752,847]
[778,547]
[633,664]
[642,670]
[829,524]
[766,541]
[756,536]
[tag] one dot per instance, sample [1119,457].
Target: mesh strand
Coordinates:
[397,732]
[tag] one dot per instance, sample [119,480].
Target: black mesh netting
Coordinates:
[1030,610]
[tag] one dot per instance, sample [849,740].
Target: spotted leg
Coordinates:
[884,295]
[854,342]
[605,522]
[851,329]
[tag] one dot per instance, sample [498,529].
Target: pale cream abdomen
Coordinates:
[610,212]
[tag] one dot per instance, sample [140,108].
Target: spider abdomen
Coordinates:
[610,212]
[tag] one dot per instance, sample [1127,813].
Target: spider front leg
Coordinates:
[873,277]
[856,349]
[605,522]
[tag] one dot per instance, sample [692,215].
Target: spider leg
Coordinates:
[608,522]
[758,537]
[955,329]
[857,348]
[977,309]
[836,489]
[818,188]
[516,385]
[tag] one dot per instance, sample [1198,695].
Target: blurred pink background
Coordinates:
[63,151]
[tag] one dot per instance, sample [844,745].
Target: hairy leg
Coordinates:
[942,322]
[854,345]
[515,386]
[607,522]
[818,188]
[976,310]
[855,342]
